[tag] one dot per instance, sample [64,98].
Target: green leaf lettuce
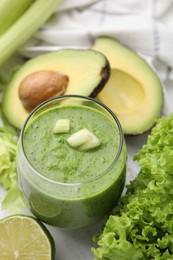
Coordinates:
[142,225]
[8,179]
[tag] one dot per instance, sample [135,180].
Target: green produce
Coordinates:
[10,11]
[25,26]
[142,226]
[8,179]
[23,237]
[8,68]
[82,72]
[133,91]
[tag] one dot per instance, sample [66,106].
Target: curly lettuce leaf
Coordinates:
[113,242]
[8,179]
[12,200]
[142,226]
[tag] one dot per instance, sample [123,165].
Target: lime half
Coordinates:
[23,237]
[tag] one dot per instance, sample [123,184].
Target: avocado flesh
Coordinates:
[88,71]
[133,91]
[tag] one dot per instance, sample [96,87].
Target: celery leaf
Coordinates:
[8,179]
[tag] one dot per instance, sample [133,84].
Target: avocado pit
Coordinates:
[40,86]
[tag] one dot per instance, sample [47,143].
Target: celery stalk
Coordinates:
[25,27]
[10,11]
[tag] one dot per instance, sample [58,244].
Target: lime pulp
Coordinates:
[23,237]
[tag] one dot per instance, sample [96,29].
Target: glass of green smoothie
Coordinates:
[71,161]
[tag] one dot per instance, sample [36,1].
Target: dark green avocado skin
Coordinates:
[105,75]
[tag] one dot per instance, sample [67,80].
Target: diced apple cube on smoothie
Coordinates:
[62,126]
[84,139]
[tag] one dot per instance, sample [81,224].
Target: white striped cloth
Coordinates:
[146,26]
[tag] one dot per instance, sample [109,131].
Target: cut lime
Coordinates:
[23,237]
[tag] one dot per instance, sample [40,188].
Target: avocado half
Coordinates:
[134,91]
[87,71]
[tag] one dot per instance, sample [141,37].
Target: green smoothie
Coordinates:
[76,187]
[51,155]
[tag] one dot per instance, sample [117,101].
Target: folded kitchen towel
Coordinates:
[145,26]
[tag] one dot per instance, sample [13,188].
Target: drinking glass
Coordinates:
[73,204]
